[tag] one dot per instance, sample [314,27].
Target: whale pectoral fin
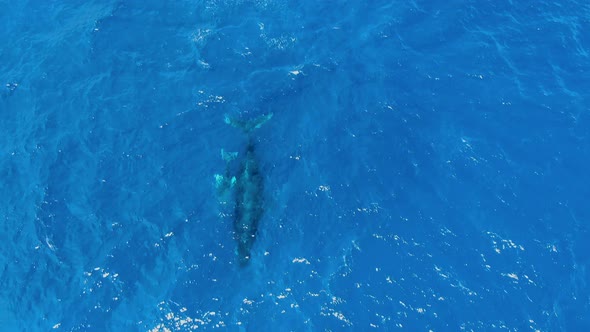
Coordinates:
[219,181]
[223,185]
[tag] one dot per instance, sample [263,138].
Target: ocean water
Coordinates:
[425,168]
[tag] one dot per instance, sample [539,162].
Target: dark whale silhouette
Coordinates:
[248,189]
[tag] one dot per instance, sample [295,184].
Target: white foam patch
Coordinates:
[301,260]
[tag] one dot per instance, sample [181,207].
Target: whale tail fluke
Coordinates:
[228,156]
[248,125]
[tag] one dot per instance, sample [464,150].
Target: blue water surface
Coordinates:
[425,168]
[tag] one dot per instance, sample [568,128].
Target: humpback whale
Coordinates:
[248,187]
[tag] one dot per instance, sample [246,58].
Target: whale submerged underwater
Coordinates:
[248,188]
